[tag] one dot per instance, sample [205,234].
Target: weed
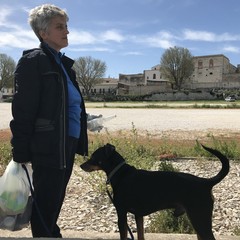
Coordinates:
[165,222]
[5,156]
[237,231]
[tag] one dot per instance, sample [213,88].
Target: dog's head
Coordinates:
[100,159]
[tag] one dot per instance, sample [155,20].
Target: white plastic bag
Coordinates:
[19,221]
[15,199]
[95,123]
[14,189]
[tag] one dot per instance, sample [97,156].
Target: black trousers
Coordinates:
[49,192]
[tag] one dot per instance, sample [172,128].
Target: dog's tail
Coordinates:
[225,166]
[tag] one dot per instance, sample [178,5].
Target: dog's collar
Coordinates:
[110,175]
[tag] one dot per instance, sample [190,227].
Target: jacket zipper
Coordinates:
[63,128]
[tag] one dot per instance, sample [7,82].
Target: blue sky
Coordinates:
[130,36]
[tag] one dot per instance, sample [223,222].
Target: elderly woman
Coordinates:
[49,119]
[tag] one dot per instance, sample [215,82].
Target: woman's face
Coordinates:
[56,34]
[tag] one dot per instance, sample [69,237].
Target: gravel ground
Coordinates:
[88,214]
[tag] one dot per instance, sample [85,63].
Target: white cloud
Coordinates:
[111,35]
[18,39]
[198,35]
[162,39]
[231,49]
[4,13]
[81,37]
[208,36]
[135,53]
[12,35]
[89,49]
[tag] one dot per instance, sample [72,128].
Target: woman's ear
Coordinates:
[42,34]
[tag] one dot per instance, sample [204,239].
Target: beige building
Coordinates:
[131,84]
[6,93]
[213,71]
[105,86]
[154,76]
[210,72]
[137,84]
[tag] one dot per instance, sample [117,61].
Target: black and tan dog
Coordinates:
[143,192]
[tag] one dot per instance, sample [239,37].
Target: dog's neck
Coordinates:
[111,174]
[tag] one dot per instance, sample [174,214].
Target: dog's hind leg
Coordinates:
[140,227]
[122,224]
[201,219]
[179,210]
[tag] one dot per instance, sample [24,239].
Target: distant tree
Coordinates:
[177,65]
[89,72]
[7,67]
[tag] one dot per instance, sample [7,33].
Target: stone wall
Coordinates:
[181,96]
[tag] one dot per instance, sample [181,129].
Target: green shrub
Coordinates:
[237,231]
[165,222]
[5,156]
[230,148]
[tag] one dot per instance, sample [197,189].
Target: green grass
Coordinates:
[144,152]
[165,222]
[5,155]
[219,104]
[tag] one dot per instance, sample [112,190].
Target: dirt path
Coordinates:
[157,121]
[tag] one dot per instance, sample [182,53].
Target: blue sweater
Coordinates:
[74,101]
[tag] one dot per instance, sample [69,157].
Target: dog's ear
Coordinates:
[109,149]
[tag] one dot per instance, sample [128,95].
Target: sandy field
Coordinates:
[159,122]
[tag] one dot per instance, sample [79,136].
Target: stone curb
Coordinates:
[84,235]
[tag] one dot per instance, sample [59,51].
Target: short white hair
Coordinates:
[41,16]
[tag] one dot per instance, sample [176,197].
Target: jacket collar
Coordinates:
[67,62]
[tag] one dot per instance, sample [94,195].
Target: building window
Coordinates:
[154,76]
[211,63]
[200,64]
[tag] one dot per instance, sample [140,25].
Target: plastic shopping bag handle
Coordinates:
[29,180]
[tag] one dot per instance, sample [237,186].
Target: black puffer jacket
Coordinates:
[40,110]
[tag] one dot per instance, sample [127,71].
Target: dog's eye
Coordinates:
[100,162]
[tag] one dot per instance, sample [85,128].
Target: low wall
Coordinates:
[181,96]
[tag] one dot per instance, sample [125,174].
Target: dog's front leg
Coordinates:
[140,228]
[122,224]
